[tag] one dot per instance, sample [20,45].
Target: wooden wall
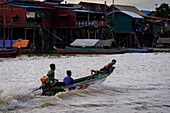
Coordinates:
[63,18]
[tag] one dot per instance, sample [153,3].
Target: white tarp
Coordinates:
[84,42]
[105,43]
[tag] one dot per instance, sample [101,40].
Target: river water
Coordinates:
[140,83]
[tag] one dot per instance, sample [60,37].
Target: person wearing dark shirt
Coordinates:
[68,80]
[105,68]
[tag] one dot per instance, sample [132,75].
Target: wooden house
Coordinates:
[32,20]
[148,30]
[63,16]
[126,8]
[94,6]
[125,21]
[96,12]
[125,25]
[72,21]
[95,20]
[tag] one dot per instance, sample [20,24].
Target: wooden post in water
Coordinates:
[113,15]
[4,8]
[4,26]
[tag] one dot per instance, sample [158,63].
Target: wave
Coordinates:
[7,104]
[15,98]
[91,91]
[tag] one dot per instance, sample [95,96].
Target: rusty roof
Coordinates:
[128,8]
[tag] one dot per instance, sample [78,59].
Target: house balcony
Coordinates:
[90,23]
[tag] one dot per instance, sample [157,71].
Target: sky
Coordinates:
[140,4]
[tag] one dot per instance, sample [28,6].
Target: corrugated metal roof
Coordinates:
[134,15]
[131,14]
[48,4]
[29,6]
[105,43]
[131,9]
[84,42]
[146,12]
[88,11]
[96,7]
[22,43]
[51,2]
[71,6]
[84,11]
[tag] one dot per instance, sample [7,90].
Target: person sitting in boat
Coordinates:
[49,79]
[105,68]
[68,80]
[51,74]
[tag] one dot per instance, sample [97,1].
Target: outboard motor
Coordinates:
[44,80]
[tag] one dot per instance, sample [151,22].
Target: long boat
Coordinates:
[89,51]
[137,50]
[90,46]
[6,53]
[80,83]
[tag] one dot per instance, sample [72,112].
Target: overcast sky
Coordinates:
[140,4]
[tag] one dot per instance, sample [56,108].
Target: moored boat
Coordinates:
[90,46]
[80,83]
[89,51]
[9,53]
[137,50]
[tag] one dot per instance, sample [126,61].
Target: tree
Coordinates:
[163,11]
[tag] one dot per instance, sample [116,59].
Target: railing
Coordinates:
[32,24]
[89,23]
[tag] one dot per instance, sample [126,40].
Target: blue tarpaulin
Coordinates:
[7,43]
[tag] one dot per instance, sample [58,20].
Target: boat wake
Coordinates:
[11,99]
[11,103]
[90,91]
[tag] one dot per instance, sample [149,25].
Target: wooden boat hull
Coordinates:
[137,50]
[7,54]
[80,83]
[90,51]
[161,49]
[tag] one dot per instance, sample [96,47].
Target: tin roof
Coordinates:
[93,43]
[147,12]
[128,8]
[105,43]
[30,6]
[131,14]
[84,42]
[88,11]
[84,11]
[97,7]
[22,43]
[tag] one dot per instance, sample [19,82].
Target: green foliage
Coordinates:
[163,11]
